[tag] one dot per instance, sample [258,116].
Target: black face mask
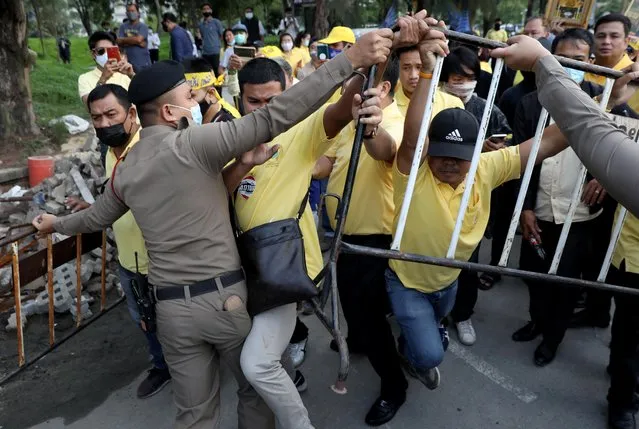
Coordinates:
[207,14]
[113,136]
[204,106]
[165,28]
[497,27]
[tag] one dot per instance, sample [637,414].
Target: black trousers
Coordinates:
[467,292]
[552,304]
[300,333]
[362,292]
[155,55]
[624,347]
[502,205]
[214,60]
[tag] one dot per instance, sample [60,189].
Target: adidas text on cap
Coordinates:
[452,134]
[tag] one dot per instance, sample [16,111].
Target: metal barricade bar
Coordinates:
[576,193]
[616,233]
[479,144]
[421,140]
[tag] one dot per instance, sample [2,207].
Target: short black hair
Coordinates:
[286,34]
[498,19]
[100,35]
[574,34]
[196,65]
[206,4]
[615,17]
[106,23]
[101,91]
[298,39]
[137,7]
[391,74]
[168,16]
[261,70]
[399,52]
[458,57]
[249,7]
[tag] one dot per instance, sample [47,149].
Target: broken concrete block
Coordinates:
[112,278]
[84,308]
[12,323]
[6,277]
[95,159]
[91,143]
[98,253]
[86,272]
[17,218]
[95,286]
[59,194]
[63,165]
[54,207]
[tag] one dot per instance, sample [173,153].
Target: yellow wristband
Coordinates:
[426,76]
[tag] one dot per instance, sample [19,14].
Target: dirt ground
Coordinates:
[104,357]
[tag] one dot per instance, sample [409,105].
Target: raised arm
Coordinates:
[216,144]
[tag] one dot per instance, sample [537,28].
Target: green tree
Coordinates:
[92,12]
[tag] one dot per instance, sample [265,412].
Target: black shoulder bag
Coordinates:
[274,262]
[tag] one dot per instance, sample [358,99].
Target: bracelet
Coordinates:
[427,76]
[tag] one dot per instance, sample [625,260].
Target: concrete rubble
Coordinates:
[79,175]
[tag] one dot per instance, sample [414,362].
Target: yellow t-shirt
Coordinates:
[371,209]
[306,55]
[295,58]
[485,66]
[274,190]
[628,245]
[128,236]
[624,62]
[442,101]
[433,212]
[89,80]
[498,35]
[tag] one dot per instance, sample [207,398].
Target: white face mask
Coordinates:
[196,112]
[101,60]
[287,46]
[249,15]
[462,90]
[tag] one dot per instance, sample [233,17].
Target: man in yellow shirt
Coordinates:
[360,278]
[274,191]
[497,33]
[410,65]
[107,71]
[421,295]
[114,119]
[611,41]
[625,329]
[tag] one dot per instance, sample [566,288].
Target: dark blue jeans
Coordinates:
[419,315]
[155,349]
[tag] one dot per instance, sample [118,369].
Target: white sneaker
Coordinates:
[296,352]
[466,332]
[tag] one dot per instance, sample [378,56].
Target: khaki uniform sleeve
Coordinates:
[214,145]
[106,210]
[607,152]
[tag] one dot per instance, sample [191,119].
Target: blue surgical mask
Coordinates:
[332,53]
[196,113]
[576,75]
[240,39]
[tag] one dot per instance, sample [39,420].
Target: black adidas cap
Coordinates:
[453,133]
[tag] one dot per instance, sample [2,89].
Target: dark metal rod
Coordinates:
[59,343]
[473,266]
[10,239]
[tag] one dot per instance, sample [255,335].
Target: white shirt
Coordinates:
[154,41]
[556,182]
[227,56]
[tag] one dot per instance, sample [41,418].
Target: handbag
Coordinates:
[274,262]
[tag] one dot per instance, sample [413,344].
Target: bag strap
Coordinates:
[235,222]
[303,205]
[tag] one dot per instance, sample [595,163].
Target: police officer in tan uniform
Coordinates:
[171,180]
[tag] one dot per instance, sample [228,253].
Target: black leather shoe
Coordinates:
[528,333]
[622,418]
[383,411]
[545,353]
[352,348]
[583,319]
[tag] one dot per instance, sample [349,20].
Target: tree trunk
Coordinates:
[85,16]
[158,14]
[529,9]
[320,26]
[36,10]
[542,7]
[16,110]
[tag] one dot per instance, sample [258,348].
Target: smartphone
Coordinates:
[244,51]
[323,52]
[113,53]
[498,136]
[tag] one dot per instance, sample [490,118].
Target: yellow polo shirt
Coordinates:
[628,245]
[624,62]
[498,35]
[128,236]
[432,215]
[274,190]
[371,208]
[442,101]
[295,58]
[89,80]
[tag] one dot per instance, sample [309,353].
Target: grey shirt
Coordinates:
[211,31]
[137,55]
[172,182]
[607,152]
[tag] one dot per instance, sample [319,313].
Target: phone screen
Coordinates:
[323,52]
[244,51]
[113,53]
[498,136]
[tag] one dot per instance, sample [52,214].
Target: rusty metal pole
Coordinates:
[16,294]
[50,289]
[78,286]
[103,276]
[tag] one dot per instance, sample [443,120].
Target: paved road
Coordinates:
[492,384]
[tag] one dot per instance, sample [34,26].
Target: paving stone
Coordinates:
[54,207]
